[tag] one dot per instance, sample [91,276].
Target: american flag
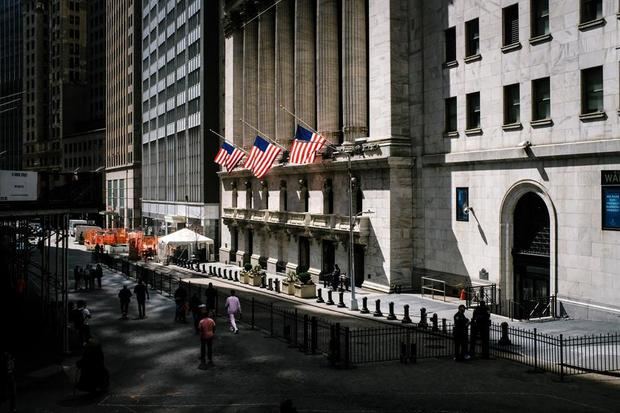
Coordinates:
[229,156]
[261,157]
[305,146]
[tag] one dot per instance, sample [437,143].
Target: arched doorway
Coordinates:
[528,263]
[530,252]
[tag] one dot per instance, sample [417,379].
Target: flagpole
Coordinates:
[264,135]
[226,140]
[327,143]
[259,14]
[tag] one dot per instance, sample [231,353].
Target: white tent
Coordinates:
[185,238]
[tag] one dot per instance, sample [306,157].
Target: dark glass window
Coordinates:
[592,90]
[472,36]
[451,114]
[541,99]
[591,10]
[473,110]
[462,204]
[540,17]
[450,44]
[511,24]
[512,104]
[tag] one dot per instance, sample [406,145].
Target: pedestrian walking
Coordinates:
[93,374]
[211,296]
[142,294]
[233,307]
[98,274]
[195,306]
[82,322]
[461,322]
[207,334]
[125,296]
[481,321]
[335,277]
[180,298]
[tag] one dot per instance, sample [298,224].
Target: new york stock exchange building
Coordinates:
[472,150]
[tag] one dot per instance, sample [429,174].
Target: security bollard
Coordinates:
[237,276]
[406,318]
[391,315]
[219,272]
[270,286]
[320,296]
[263,282]
[435,322]
[377,312]
[365,309]
[230,275]
[341,300]
[330,301]
[204,271]
[444,326]
[423,322]
[210,269]
[277,286]
[224,272]
[504,340]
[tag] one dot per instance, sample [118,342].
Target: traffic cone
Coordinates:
[462,296]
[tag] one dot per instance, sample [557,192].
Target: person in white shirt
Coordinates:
[233,306]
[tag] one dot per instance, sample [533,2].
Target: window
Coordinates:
[511,104]
[473,110]
[450,44]
[541,99]
[451,114]
[462,204]
[591,10]
[592,90]
[511,25]
[472,38]
[540,17]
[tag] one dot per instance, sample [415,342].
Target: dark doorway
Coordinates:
[234,244]
[304,252]
[329,256]
[531,252]
[250,243]
[358,256]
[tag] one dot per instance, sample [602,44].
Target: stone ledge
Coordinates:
[543,38]
[593,117]
[450,64]
[592,24]
[473,132]
[511,47]
[512,127]
[540,123]
[473,58]
[451,134]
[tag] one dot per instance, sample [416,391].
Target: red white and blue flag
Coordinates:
[305,146]
[261,157]
[229,156]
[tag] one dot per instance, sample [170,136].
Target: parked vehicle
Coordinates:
[80,232]
[75,222]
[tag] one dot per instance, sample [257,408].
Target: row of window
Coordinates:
[591,102]
[591,14]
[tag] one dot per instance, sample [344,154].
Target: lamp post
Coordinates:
[354,306]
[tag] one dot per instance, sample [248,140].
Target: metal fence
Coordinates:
[407,342]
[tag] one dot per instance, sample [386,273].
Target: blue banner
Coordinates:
[611,207]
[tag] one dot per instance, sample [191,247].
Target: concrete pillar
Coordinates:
[354,70]
[266,74]
[305,60]
[250,82]
[285,75]
[234,88]
[328,71]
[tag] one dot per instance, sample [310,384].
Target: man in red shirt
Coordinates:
[207,333]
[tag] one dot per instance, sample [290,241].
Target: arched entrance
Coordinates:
[528,251]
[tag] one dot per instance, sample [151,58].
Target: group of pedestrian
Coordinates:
[479,326]
[85,278]
[141,292]
[80,315]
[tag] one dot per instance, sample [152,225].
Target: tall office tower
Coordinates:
[11,84]
[180,103]
[124,113]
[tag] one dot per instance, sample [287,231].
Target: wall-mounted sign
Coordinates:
[18,186]
[610,200]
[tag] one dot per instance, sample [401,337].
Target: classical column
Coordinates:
[305,96]
[285,75]
[266,74]
[328,71]
[250,81]
[354,70]
[234,88]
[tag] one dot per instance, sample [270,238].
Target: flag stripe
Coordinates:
[228,156]
[305,146]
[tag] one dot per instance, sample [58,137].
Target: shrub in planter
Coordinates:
[304,287]
[288,284]
[256,276]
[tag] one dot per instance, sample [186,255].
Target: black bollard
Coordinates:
[236,276]
[320,296]
[504,340]
[204,271]
[391,315]
[330,301]
[365,309]
[219,272]
[277,286]
[435,322]
[377,312]
[210,269]
[341,299]
[423,322]
[270,286]
[263,282]
[406,318]
[225,272]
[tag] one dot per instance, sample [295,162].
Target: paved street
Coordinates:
[154,367]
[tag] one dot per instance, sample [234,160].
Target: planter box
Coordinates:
[305,290]
[255,281]
[288,288]
[244,278]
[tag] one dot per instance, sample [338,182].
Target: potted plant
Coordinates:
[245,273]
[288,284]
[304,287]
[256,276]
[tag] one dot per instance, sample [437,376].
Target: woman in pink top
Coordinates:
[207,333]
[233,306]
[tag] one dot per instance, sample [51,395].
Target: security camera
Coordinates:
[524,144]
[466,210]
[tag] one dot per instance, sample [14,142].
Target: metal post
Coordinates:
[252,313]
[305,346]
[271,318]
[347,355]
[314,334]
[354,306]
[561,357]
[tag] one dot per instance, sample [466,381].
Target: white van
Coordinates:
[75,222]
